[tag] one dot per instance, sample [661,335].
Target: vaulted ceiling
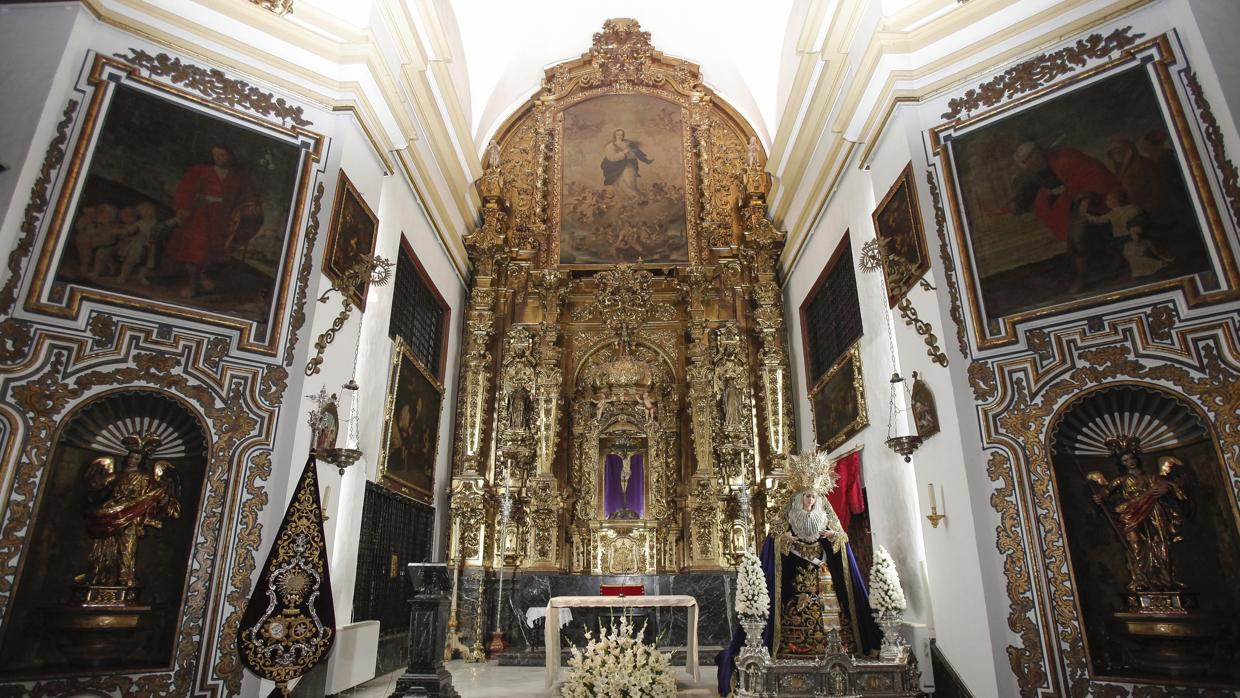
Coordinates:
[430,81]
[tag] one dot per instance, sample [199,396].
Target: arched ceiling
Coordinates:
[507,46]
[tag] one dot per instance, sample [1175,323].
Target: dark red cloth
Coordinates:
[1080,174]
[622,590]
[846,498]
[223,213]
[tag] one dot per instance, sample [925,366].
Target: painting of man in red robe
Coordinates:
[217,209]
[1075,197]
[1055,186]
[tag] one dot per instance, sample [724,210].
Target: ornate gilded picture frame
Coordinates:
[1083,192]
[901,237]
[168,194]
[411,427]
[837,402]
[350,236]
[623,155]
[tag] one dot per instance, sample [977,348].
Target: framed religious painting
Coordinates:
[838,401]
[626,181]
[350,237]
[411,427]
[177,206]
[901,238]
[1083,192]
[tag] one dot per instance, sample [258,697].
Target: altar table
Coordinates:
[552,629]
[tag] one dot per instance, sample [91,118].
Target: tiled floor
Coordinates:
[493,681]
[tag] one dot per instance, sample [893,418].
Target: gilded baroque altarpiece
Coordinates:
[625,310]
[93,365]
[1038,370]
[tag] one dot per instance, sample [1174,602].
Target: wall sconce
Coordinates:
[934,516]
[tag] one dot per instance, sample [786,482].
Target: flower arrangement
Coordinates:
[617,664]
[752,599]
[886,596]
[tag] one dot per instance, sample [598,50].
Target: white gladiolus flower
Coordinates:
[752,598]
[886,596]
[617,664]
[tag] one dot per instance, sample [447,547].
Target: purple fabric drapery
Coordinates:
[613,499]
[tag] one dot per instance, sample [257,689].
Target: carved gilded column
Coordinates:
[774,378]
[762,244]
[488,251]
[542,489]
[552,287]
[695,284]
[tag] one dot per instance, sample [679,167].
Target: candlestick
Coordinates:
[934,516]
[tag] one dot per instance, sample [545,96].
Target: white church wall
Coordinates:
[45,50]
[894,487]
[967,588]
[32,37]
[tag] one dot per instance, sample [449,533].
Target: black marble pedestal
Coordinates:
[428,618]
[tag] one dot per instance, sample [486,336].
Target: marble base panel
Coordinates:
[714,592]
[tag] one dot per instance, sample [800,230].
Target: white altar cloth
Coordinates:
[552,628]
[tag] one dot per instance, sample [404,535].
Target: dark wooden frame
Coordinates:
[897,289]
[845,244]
[436,371]
[345,187]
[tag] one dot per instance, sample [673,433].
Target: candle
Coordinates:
[930,487]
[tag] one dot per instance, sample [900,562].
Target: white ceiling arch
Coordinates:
[506,46]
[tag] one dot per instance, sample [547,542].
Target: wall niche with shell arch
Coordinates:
[1150,523]
[103,590]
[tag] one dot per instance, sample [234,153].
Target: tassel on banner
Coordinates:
[289,625]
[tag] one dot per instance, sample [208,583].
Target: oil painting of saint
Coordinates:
[623,181]
[181,206]
[411,444]
[1079,195]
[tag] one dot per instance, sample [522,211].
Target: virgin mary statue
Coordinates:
[811,576]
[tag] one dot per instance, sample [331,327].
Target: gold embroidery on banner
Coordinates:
[289,638]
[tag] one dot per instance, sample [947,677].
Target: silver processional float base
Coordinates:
[836,673]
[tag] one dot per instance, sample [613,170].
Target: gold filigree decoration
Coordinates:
[249,536]
[1218,152]
[374,270]
[103,328]
[621,56]
[16,334]
[923,328]
[231,419]
[949,267]
[982,381]
[303,275]
[1022,424]
[1040,343]
[1026,660]
[1161,320]
[217,349]
[1040,70]
[216,86]
[279,7]
[623,299]
[36,207]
